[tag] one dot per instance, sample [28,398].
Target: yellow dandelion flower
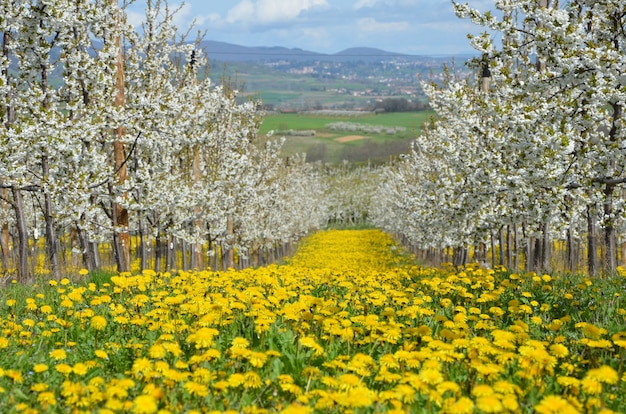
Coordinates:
[58,354]
[605,374]
[63,368]
[257,359]
[431,376]
[141,366]
[240,342]
[145,404]
[296,408]
[98,322]
[568,382]
[194,388]
[47,399]
[554,404]
[46,309]
[559,350]
[252,380]
[388,361]
[80,369]
[347,381]
[591,331]
[39,387]
[38,368]
[489,404]
[157,351]
[482,390]
[446,386]
[101,354]
[461,406]
[236,380]
[591,386]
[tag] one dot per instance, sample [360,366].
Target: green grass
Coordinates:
[412,121]
[374,147]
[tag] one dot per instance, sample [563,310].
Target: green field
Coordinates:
[333,146]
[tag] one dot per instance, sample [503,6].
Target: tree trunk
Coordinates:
[545,247]
[537,255]
[170,254]
[52,251]
[119,155]
[230,252]
[23,273]
[493,250]
[516,248]
[158,249]
[197,258]
[509,245]
[610,245]
[592,253]
[501,245]
[88,258]
[143,249]
[4,235]
[571,250]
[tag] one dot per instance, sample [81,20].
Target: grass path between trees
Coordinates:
[349,324]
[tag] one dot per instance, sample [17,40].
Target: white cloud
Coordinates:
[243,11]
[270,11]
[369,24]
[360,4]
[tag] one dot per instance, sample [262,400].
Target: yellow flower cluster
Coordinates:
[349,324]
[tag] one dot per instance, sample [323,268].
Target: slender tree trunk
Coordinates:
[610,244]
[537,255]
[509,245]
[571,250]
[185,265]
[230,252]
[4,235]
[23,272]
[197,258]
[143,249]
[516,248]
[592,253]
[170,253]
[546,247]
[493,250]
[158,250]
[88,259]
[501,246]
[52,251]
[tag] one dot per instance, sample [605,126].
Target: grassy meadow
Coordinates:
[336,145]
[349,324]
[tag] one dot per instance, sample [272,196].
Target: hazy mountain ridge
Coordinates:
[229,52]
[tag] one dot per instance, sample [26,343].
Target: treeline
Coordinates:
[399,105]
[133,146]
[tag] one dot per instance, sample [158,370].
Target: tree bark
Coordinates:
[592,253]
[52,251]
[230,252]
[5,236]
[197,261]
[119,155]
[23,272]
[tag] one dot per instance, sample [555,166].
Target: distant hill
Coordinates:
[229,52]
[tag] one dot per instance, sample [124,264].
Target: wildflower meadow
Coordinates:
[350,323]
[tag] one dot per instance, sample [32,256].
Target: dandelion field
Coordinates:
[349,324]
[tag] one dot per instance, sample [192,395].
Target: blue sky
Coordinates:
[421,27]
